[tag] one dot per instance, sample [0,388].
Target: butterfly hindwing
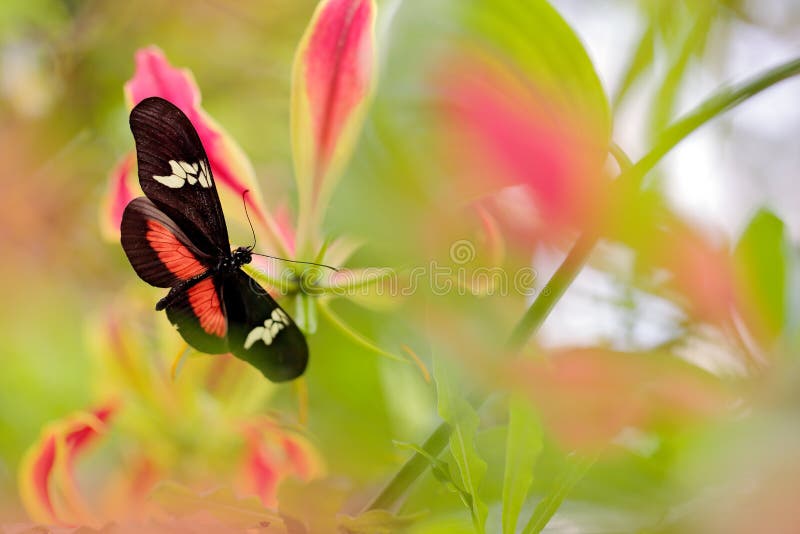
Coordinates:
[199,315]
[175,174]
[160,253]
[260,332]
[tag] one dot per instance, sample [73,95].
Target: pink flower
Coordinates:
[122,188]
[47,482]
[272,455]
[332,83]
[501,130]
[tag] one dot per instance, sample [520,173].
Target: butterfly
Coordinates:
[175,237]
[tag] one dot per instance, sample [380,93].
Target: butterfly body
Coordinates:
[225,266]
[176,237]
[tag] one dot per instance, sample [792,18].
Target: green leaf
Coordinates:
[572,473]
[377,522]
[664,102]
[305,314]
[441,471]
[536,38]
[761,256]
[463,419]
[284,285]
[523,446]
[326,311]
[640,62]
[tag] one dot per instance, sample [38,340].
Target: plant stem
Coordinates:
[553,291]
[630,180]
[723,100]
[411,470]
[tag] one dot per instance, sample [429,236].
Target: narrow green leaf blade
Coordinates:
[464,420]
[376,522]
[523,446]
[573,472]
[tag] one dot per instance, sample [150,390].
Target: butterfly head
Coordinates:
[241,256]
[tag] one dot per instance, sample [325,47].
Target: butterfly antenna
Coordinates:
[297,261]
[275,257]
[244,202]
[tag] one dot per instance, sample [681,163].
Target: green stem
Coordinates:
[412,469]
[723,100]
[630,180]
[357,338]
[553,291]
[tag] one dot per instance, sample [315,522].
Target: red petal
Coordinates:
[155,76]
[501,131]
[40,475]
[121,190]
[262,470]
[47,473]
[298,458]
[338,71]
[82,436]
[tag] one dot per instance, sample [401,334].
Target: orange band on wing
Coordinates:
[172,253]
[205,305]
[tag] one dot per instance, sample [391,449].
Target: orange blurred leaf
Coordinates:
[588,396]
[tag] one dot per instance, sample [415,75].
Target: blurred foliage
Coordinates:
[689,431]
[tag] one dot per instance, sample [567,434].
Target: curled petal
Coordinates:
[332,82]
[274,454]
[232,170]
[46,478]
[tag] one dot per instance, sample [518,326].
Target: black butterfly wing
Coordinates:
[260,332]
[159,251]
[199,315]
[175,174]
[163,256]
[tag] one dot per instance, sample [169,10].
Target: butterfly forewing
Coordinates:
[261,332]
[175,174]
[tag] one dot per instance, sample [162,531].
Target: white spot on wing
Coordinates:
[177,168]
[183,172]
[172,181]
[280,316]
[253,336]
[272,327]
[203,175]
